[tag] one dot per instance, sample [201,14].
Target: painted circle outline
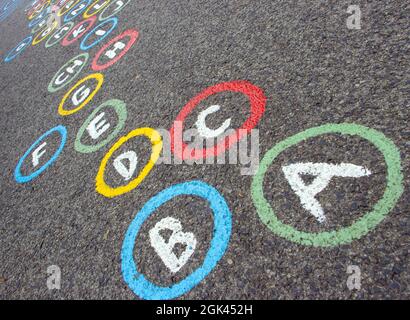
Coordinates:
[120,108]
[51,88]
[65,42]
[101,16]
[36,41]
[257,100]
[86,15]
[47,45]
[220,240]
[97,76]
[392,193]
[131,33]
[9,58]
[108,32]
[156,147]
[67,18]
[17,171]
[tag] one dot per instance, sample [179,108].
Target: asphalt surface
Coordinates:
[313,71]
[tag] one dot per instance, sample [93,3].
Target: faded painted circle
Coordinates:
[99,77]
[17,172]
[156,143]
[76,10]
[81,58]
[131,34]
[59,34]
[17,50]
[96,4]
[44,34]
[121,112]
[359,228]
[257,101]
[78,31]
[222,229]
[110,11]
[112,21]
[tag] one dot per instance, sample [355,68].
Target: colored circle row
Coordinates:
[69,33]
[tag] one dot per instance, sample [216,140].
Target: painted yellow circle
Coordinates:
[40,37]
[62,11]
[100,79]
[87,15]
[156,143]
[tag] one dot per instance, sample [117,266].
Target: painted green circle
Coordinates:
[52,88]
[49,43]
[362,226]
[121,111]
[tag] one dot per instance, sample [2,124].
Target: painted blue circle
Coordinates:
[17,172]
[219,243]
[69,17]
[85,47]
[13,53]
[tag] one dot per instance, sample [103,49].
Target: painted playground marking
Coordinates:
[17,50]
[81,94]
[164,247]
[323,173]
[219,243]
[113,8]
[96,126]
[362,226]
[156,143]
[115,49]
[257,102]
[37,150]
[100,31]
[59,34]
[78,31]
[97,5]
[68,72]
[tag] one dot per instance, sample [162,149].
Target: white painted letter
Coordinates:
[203,130]
[37,154]
[112,52]
[96,127]
[324,172]
[164,248]
[122,169]
[83,91]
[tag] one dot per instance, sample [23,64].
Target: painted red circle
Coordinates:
[257,101]
[65,42]
[131,33]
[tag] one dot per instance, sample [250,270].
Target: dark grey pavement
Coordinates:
[313,71]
